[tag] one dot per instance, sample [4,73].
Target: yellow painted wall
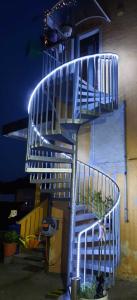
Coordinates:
[31,223]
[128,267]
[84,142]
[120,37]
[37,195]
[58,252]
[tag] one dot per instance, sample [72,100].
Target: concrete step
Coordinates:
[31,258]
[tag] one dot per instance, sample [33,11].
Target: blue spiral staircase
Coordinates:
[69,96]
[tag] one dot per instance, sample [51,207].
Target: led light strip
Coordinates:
[90,228]
[80,59]
[103,55]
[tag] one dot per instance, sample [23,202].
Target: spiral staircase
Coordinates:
[69,96]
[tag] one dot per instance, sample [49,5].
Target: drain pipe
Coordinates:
[125,171]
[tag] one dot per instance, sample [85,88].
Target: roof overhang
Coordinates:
[17,129]
[77,14]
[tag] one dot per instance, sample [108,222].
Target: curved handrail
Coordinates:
[106,175]
[97,73]
[80,59]
[111,215]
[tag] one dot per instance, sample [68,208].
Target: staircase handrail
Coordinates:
[104,68]
[103,55]
[113,220]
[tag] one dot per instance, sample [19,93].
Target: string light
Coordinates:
[59,5]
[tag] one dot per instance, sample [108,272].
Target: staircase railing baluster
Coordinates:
[67,93]
[94,82]
[47,106]
[113,245]
[60,98]
[93,251]
[85,257]
[88,78]
[53,104]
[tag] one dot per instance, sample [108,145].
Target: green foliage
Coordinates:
[87,291]
[11,237]
[100,206]
[97,203]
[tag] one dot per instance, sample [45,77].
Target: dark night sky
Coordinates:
[18,74]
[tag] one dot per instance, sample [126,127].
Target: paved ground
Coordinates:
[16,283]
[25,282]
[124,290]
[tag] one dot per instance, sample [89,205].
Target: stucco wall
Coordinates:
[121,37]
[108,131]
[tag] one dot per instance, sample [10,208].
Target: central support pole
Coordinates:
[75,287]
[72,212]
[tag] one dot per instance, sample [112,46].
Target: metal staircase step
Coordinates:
[106,266]
[106,107]
[64,137]
[60,198]
[90,115]
[100,96]
[51,181]
[85,217]
[53,148]
[56,190]
[81,207]
[73,124]
[88,93]
[85,84]
[84,101]
[84,226]
[47,170]
[95,238]
[52,159]
[96,251]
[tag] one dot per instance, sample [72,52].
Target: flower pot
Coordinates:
[104,298]
[9,249]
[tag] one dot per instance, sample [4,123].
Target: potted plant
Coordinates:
[11,239]
[93,291]
[87,291]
